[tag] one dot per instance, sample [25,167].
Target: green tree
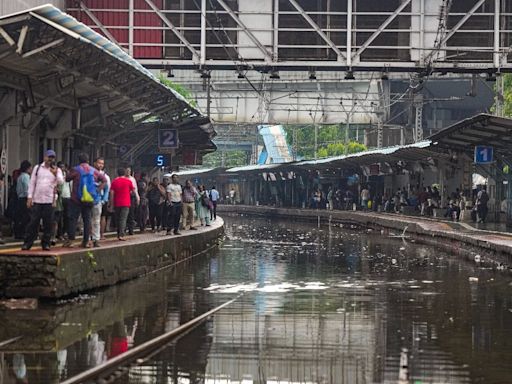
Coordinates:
[507,96]
[231,159]
[330,141]
[178,88]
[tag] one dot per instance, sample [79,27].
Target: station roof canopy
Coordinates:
[413,152]
[61,62]
[483,129]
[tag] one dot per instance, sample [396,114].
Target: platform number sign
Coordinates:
[484,154]
[167,138]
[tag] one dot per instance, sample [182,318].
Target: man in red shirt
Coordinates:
[120,192]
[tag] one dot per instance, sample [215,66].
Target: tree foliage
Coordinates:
[507,96]
[231,159]
[178,88]
[330,141]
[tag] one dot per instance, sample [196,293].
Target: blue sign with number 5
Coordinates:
[168,138]
[483,154]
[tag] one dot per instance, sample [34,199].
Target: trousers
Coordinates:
[38,212]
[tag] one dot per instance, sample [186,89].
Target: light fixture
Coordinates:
[491,76]
[205,75]
[274,75]
[384,76]
[312,75]
[349,75]
[170,73]
[241,75]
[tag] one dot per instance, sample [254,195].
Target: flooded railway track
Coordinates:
[113,369]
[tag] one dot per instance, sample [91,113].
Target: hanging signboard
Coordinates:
[484,154]
[167,139]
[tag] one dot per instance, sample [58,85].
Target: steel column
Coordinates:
[203,32]
[249,34]
[317,29]
[349,32]
[276,31]
[130,26]
[381,28]
[460,23]
[497,54]
[178,34]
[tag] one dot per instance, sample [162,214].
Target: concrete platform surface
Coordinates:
[65,271]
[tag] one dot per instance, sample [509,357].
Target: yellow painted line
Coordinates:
[10,250]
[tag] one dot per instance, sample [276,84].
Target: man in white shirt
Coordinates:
[214,198]
[175,205]
[41,199]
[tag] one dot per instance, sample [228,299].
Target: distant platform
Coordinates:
[65,271]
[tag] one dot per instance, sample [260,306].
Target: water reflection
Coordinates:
[319,306]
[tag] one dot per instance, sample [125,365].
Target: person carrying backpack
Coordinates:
[87,184]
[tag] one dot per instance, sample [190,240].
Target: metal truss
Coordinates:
[296,35]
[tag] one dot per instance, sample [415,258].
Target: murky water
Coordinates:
[318,306]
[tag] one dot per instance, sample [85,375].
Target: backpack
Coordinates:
[87,192]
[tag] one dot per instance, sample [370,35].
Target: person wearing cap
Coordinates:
[44,179]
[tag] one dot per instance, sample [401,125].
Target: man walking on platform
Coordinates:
[120,191]
[214,198]
[99,202]
[41,198]
[87,184]
[175,205]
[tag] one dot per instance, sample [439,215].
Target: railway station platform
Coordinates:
[62,271]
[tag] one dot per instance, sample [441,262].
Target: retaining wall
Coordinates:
[62,272]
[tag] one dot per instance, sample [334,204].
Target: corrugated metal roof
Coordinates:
[72,27]
[380,151]
[194,171]
[256,167]
[482,129]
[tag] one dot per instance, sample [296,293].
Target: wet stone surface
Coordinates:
[318,306]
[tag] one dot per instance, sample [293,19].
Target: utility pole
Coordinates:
[316,141]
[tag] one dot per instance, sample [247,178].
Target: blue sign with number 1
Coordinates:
[483,154]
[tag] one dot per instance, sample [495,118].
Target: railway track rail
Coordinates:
[113,369]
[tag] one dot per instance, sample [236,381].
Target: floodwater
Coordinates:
[328,305]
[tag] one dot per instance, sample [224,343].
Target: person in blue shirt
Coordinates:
[214,198]
[101,201]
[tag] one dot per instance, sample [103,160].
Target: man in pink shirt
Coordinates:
[41,199]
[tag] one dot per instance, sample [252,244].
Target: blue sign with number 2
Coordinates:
[483,154]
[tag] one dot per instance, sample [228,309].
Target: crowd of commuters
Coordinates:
[59,201]
[419,200]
